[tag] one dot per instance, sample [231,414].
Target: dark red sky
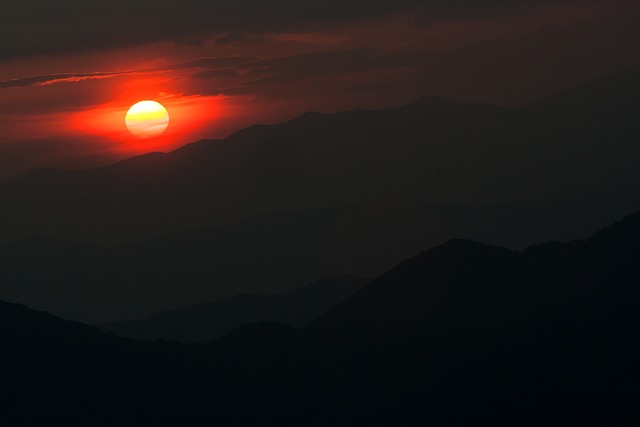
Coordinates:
[69,70]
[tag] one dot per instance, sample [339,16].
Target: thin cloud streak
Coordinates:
[49,79]
[209,63]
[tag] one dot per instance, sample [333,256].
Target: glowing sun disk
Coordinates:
[147,119]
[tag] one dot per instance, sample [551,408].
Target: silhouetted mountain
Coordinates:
[464,277]
[355,193]
[542,336]
[430,151]
[460,333]
[268,254]
[457,272]
[272,253]
[60,372]
[209,321]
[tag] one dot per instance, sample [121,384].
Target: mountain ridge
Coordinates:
[441,152]
[428,101]
[208,321]
[276,206]
[540,337]
[609,254]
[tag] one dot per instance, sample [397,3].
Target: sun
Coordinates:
[146,119]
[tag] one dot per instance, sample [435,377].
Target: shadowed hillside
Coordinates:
[459,333]
[273,207]
[209,321]
[431,151]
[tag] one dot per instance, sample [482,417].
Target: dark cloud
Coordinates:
[472,9]
[233,36]
[189,41]
[506,71]
[317,64]
[30,27]
[218,62]
[217,74]
[311,65]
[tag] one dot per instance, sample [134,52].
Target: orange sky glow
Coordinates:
[68,109]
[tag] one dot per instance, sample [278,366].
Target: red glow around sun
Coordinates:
[189,116]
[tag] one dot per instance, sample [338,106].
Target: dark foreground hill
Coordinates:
[209,321]
[463,333]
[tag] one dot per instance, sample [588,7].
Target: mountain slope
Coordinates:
[210,321]
[457,272]
[460,280]
[470,332]
[460,333]
[273,253]
[355,193]
[430,151]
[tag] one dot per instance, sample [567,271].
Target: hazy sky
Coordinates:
[70,69]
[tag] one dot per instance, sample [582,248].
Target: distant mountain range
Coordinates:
[274,207]
[432,151]
[209,321]
[459,333]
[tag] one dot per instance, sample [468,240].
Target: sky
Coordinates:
[70,69]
